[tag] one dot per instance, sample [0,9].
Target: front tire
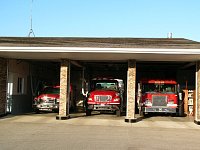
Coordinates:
[118,113]
[37,111]
[88,112]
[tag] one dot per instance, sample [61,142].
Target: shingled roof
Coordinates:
[166,43]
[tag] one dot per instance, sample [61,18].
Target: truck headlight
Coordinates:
[117,99]
[117,94]
[89,99]
[147,102]
[171,102]
[57,100]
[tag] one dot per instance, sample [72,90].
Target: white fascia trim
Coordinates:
[99,50]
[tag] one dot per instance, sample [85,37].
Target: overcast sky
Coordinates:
[101,18]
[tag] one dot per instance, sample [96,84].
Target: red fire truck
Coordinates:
[159,96]
[105,95]
[47,100]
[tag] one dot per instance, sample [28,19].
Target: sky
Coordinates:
[101,18]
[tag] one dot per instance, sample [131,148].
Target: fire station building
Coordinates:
[28,62]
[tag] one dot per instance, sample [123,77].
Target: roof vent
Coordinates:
[169,35]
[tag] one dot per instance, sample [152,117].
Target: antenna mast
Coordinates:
[31,29]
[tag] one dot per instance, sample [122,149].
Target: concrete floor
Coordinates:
[99,131]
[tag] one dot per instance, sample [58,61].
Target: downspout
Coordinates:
[7,71]
[68,93]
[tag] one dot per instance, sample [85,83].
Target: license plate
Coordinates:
[102,104]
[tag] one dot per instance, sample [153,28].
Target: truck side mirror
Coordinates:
[139,89]
[178,88]
[180,96]
[179,92]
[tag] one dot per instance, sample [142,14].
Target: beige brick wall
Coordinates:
[197,114]
[3,80]
[64,71]
[130,114]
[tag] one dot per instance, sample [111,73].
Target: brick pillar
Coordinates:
[197,110]
[64,91]
[3,80]
[131,79]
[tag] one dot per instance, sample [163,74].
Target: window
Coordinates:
[106,85]
[20,86]
[51,90]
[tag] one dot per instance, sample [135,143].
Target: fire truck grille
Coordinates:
[48,100]
[51,100]
[102,98]
[159,100]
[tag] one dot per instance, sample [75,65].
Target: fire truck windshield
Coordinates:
[106,85]
[162,88]
[51,90]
